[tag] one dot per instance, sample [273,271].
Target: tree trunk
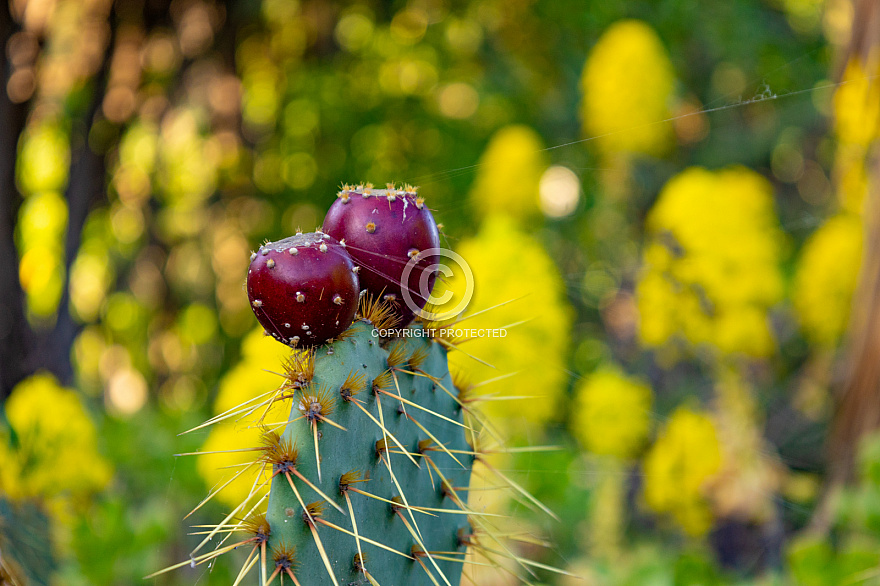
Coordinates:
[86,187]
[16,337]
[858,412]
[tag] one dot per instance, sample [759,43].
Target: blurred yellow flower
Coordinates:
[44,159]
[483,495]
[41,227]
[42,216]
[627,86]
[857,125]
[852,177]
[857,106]
[678,466]
[509,173]
[218,469]
[612,413]
[711,263]
[508,264]
[56,451]
[826,277]
[246,380]
[41,274]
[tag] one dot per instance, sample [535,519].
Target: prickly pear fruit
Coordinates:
[303,289]
[384,229]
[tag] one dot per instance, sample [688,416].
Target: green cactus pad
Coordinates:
[355,449]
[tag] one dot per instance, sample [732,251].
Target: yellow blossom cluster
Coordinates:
[510,266]
[42,168]
[711,263]
[857,106]
[685,457]
[857,126]
[627,84]
[50,448]
[251,377]
[826,277]
[612,413]
[509,173]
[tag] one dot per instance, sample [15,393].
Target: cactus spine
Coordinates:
[386,503]
[368,476]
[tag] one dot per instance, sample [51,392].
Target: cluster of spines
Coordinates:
[315,403]
[367,189]
[390,192]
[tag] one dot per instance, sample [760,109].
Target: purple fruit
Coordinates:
[383,229]
[303,289]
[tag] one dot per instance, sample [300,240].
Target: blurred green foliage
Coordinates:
[544,135]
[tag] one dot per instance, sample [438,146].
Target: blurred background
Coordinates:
[682,196]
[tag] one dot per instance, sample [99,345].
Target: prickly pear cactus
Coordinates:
[373,466]
[24,557]
[366,481]
[368,476]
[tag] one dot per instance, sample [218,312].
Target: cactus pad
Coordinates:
[353,377]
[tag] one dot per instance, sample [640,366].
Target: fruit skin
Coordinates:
[303,289]
[354,448]
[383,229]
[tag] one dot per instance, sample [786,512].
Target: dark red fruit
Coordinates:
[383,229]
[303,289]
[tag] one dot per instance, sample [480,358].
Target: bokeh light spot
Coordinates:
[559,191]
[458,100]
